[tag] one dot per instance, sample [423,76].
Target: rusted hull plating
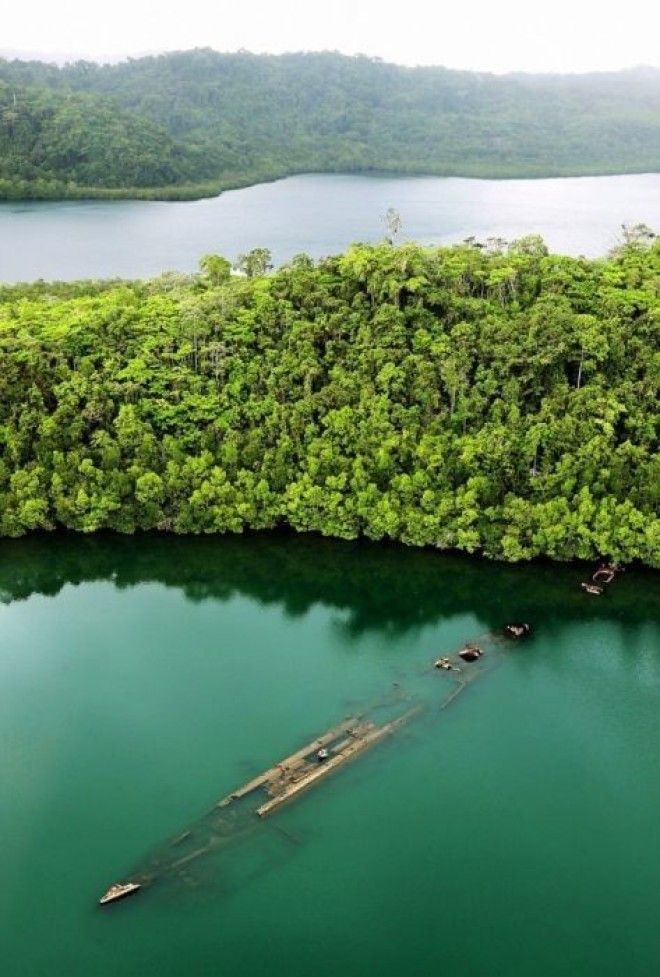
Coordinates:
[303,769]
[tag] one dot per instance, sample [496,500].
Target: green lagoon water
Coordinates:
[516,833]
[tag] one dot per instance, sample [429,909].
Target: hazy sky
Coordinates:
[489,35]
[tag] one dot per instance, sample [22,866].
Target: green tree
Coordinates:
[216,268]
[255,263]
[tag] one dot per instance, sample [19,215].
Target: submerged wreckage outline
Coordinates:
[314,762]
[311,764]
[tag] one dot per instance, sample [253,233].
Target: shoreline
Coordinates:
[211,189]
[288,534]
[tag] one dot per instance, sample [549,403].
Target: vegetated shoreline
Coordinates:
[189,124]
[209,190]
[172,194]
[495,400]
[285,533]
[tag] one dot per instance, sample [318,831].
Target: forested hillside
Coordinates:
[192,123]
[499,399]
[55,142]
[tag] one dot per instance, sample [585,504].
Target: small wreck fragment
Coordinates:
[517,630]
[118,891]
[445,664]
[471,653]
[602,577]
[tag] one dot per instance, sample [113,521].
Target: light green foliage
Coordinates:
[192,123]
[498,400]
[216,268]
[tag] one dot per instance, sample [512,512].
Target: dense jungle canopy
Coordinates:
[493,399]
[192,123]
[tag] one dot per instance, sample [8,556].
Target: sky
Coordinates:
[483,35]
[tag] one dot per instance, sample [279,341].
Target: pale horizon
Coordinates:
[61,58]
[510,37]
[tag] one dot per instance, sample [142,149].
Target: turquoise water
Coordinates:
[319,214]
[142,679]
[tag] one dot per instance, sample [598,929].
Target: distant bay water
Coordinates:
[319,214]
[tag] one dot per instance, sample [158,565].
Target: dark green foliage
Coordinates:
[192,123]
[497,401]
[52,142]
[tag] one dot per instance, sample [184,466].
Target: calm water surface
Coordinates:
[516,833]
[318,214]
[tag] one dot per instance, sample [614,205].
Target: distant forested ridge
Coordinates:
[189,124]
[493,399]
